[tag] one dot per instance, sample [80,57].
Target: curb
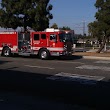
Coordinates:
[96,58]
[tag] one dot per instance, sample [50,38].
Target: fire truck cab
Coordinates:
[51,42]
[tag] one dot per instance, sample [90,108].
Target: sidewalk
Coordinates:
[94,55]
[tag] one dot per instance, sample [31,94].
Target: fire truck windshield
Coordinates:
[64,37]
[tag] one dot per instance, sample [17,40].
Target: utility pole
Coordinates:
[83,35]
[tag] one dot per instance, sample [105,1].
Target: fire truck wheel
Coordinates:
[6,52]
[44,54]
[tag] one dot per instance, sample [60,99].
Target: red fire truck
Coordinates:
[50,42]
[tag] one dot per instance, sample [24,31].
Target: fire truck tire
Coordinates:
[6,52]
[44,54]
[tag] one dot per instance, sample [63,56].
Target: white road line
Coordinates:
[91,67]
[104,62]
[69,62]
[39,67]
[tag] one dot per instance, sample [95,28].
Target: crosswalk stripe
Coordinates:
[104,62]
[92,67]
[83,79]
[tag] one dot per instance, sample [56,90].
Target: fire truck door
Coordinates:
[36,41]
[39,40]
[43,40]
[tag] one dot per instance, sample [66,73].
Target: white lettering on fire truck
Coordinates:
[7,32]
[36,42]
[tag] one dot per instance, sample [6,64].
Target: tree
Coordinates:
[102,24]
[22,13]
[65,28]
[94,30]
[55,26]
[43,15]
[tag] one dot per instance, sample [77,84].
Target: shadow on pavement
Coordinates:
[3,62]
[73,57]
[96,95]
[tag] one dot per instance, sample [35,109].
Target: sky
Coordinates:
[73,13]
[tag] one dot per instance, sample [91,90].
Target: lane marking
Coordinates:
[69,62]
[105,62]
[83,79]
[39,67]
[91,67]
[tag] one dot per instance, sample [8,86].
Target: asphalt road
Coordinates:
[74,65]
[72,81]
